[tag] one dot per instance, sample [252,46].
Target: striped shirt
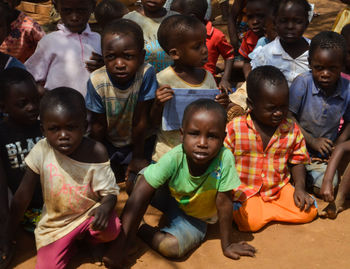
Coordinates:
[264,171]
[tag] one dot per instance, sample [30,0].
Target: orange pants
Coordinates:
[256,213]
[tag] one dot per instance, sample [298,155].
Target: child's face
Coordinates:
[122,56]
[326,65]
[153,5]
[22,103]
[63,130]
[202,137]
[193,50]
[255,12]
[291,22]
[75,14]
[272,104]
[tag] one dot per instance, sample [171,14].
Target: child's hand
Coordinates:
[164,94]
[303,200]
[135,166]
[322,145]
[225,86]
[222,99]
[236,250]
[95,62]
[101,217]
[326,191]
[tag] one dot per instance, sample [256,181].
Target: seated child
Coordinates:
[345,32]
[78,185]
[319,99]
[336,205]
[19,132]
[183,37]
[216,41]
[149,16]
[109,10]
[60,58]
[22,35]
[269,149]
[120,96]
[290,50]
[192,185]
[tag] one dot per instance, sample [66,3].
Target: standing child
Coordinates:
[60,58]
[22,35]
[183,37]
[319,99]
[149,16]
[78,185]
[192,185]
[269,150]
[120,96]
[19,99]
[216,41]
[290,50]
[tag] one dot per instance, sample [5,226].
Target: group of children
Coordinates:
[83,112]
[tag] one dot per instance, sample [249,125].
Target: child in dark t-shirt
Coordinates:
[19,132]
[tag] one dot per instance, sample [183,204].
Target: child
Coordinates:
[19,99]
[216,41]
[149,16]
[120,96]
[269,149]
[78,185]
[345,32]
[289,51]
[60,58]
[183,37]
[23,33]
[109,10]
[318,100]
[192,185]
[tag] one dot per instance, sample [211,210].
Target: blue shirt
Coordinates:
[316,113]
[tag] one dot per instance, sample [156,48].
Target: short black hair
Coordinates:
[197,8]
[109,10]
[126,27]
[11,76]
[261,74]
[173,28]
[327,40]
[303,3]
[345,32]
[55,3]
[71,100]
[207,105]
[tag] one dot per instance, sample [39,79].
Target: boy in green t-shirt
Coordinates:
[191,185]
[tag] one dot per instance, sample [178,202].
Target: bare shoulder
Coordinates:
[94,151]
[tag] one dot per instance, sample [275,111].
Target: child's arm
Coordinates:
[301,198]
[4,206]
[236,9]
[132,214]
[223,99]
[327,192]
[19,205]
[163,94]
[230,249]
[345,133]
[225,85]
[102,213]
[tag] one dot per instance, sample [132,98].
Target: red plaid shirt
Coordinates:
[264,171]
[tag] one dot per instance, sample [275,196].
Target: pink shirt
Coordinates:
[60,57]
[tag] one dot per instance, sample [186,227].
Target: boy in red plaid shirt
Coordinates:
[269,149]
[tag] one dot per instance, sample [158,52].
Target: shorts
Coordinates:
[189,231]
[315,173]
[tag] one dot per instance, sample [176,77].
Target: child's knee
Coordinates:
[169,247]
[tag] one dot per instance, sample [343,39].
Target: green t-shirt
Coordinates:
[196,196]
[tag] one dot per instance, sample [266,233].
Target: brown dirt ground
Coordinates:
[321,244]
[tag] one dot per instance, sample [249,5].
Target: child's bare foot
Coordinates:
[333,209]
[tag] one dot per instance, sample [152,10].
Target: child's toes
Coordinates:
[329,212]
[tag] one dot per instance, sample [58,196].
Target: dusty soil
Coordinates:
[321,244]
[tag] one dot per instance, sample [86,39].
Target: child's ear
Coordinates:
[143,54]
[182,134]
[174,54]
[42,129]
[249,103]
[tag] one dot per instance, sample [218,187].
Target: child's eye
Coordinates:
[212,135]
[52,129]
[128,56]
[110,57]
